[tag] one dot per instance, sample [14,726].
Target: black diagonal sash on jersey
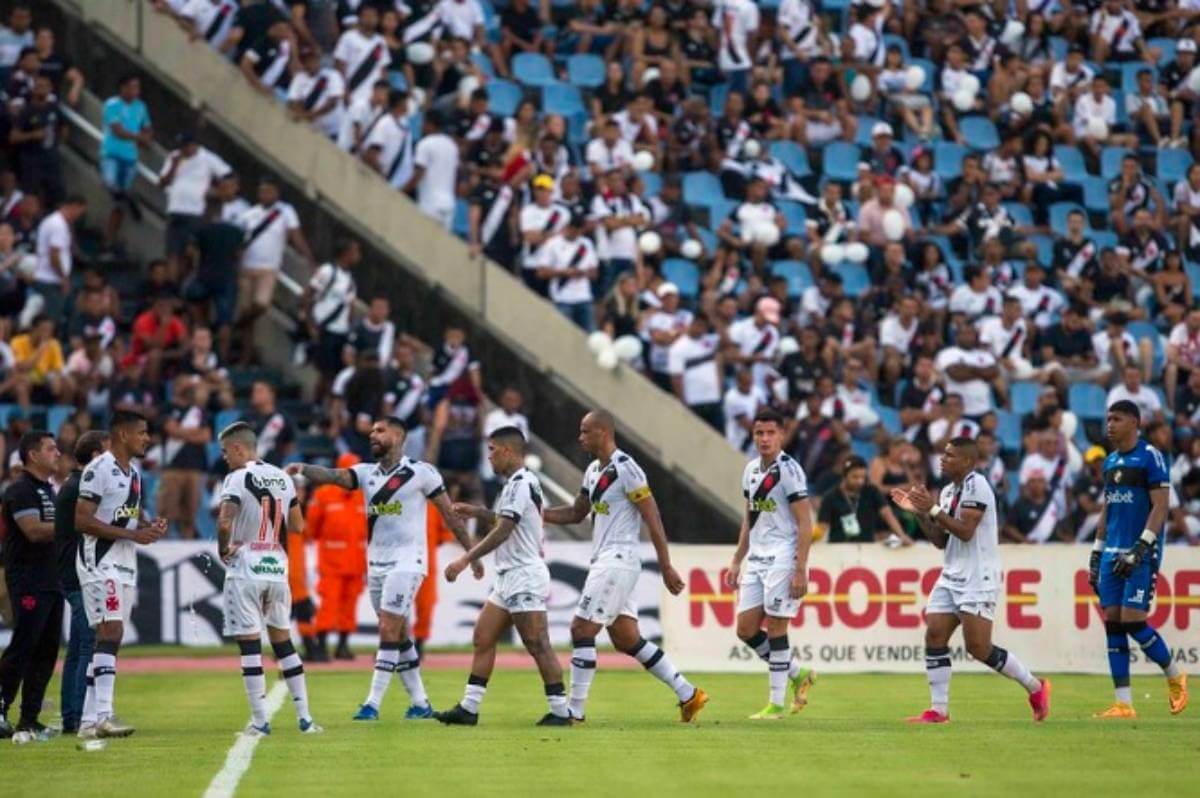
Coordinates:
[1012,343]
[1057,477]
[800,34]
[367,130]
[495,215]
[365,68]
[551,221]
[1119,34]
[401,153]
[608,477]
[763,342]
[310,102]
[262,226]
[214,27]
[394,483]
[769,481]
[130,508]
[699,360]
[1082,256]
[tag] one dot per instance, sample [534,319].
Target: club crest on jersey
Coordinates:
[1117,477]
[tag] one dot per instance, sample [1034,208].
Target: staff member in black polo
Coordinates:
[855,511]
[90,445]
[32,575]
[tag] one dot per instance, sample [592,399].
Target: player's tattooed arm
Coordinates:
[455,522]
[225,518]
[317,475]
[568,513]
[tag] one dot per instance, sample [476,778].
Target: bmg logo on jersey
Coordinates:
[385,508]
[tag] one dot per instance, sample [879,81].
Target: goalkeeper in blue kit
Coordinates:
[1125,559]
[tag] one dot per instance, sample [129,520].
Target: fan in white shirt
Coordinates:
[864,40]
[362,55]
[1115,32]
[187,176]
[694,363]
[435,172]
[609,151]
[977,297]
[1007,337]
[755,340]
[570,264]
[1038,301]
[620,214]
[359,118]
[663,328]
[968,371]
[736,21]
[740,405]
[210,19]
[464,19]
[388,146]
[315,95]
[1131,389]
[540,221]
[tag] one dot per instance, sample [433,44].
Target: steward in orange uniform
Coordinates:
[436,533]
[337,521]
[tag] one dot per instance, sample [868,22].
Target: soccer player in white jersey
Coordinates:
[963,522]
[770,565]
[615,493]
[396,491]
[109,516]
[258,509]
[518,596]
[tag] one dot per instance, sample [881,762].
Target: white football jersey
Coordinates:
[264,495]
[118,497]
[396,503]
[521,502]
[613,490]
[972,565]
[769,493]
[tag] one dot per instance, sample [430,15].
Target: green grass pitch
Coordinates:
[851,740]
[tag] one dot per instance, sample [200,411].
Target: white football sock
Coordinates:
[763,650]
[293,673]
[386,660]
[556,697]
[583,670]
[779,661]
[255,682]
[1007,663]
[655,661]
[88,716]
[937,670]
[473,695]
[104,671]
[409,668]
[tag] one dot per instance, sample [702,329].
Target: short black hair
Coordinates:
[852,462]
[344,245]
[509,436]
[127,77]
[391,421]
[1126,408]
[125,418]
[966,445]
[30,441]
[90,444]
[768,415]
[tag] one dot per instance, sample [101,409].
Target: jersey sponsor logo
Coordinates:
[763,506]
[385,508]
[265,483]
[124,513]
[268,566]
[760,501]
[600,508]
[381,502]
[606,479]
[1119,497]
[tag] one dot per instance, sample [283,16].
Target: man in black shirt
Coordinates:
[1069,344]
[1034,518]
[187,431]
[274,431]
[37,131]
[816,440]
[215,253]
[90,445]
[33,585]
[855,511]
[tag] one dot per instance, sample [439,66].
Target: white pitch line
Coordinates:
[237,761]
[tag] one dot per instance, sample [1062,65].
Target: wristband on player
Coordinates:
[1150,537]
[1098,544]
[935,511]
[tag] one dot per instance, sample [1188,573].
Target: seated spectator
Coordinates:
[662,328]
[1117,347]
[159,339]
[1035,517]
[1050,460]
[521,31]
[276,435]
[39,366]
[202,363]
[1131,389]
[871,214]
[1131,191]
[1147,108]
[969,371]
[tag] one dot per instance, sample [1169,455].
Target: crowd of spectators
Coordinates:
[898,223]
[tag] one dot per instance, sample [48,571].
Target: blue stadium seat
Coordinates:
[562,99]
[586,71]
[685,275]
[1129,76]
[577,128]
[1058,48]
[1095,194]
[1020,213]
[1172,165]
[716,98]
[855,280]
[1104,238]
[889,418]
[702,189]
[947,159]
[651,182]
[503,97]
[533,69]
[1008,430]
[1145,329]
[461,224]
[863,135]
[1059,212]
[890,39]
[1024,397]
[57,415]
[395,79]
[841,161]
[1045,249]
[795,215]
[1193,271]
[212,453]
[1071,161]
[1167,46]
[1110,161]
[864,449]
[1087,400]
[707,237]
[226,417]
[793,156]
[797,274]
[719,209]
[484,62]
[980,133]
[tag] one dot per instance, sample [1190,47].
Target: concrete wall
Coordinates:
[541,344]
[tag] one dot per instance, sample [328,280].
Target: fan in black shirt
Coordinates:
[31,574]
